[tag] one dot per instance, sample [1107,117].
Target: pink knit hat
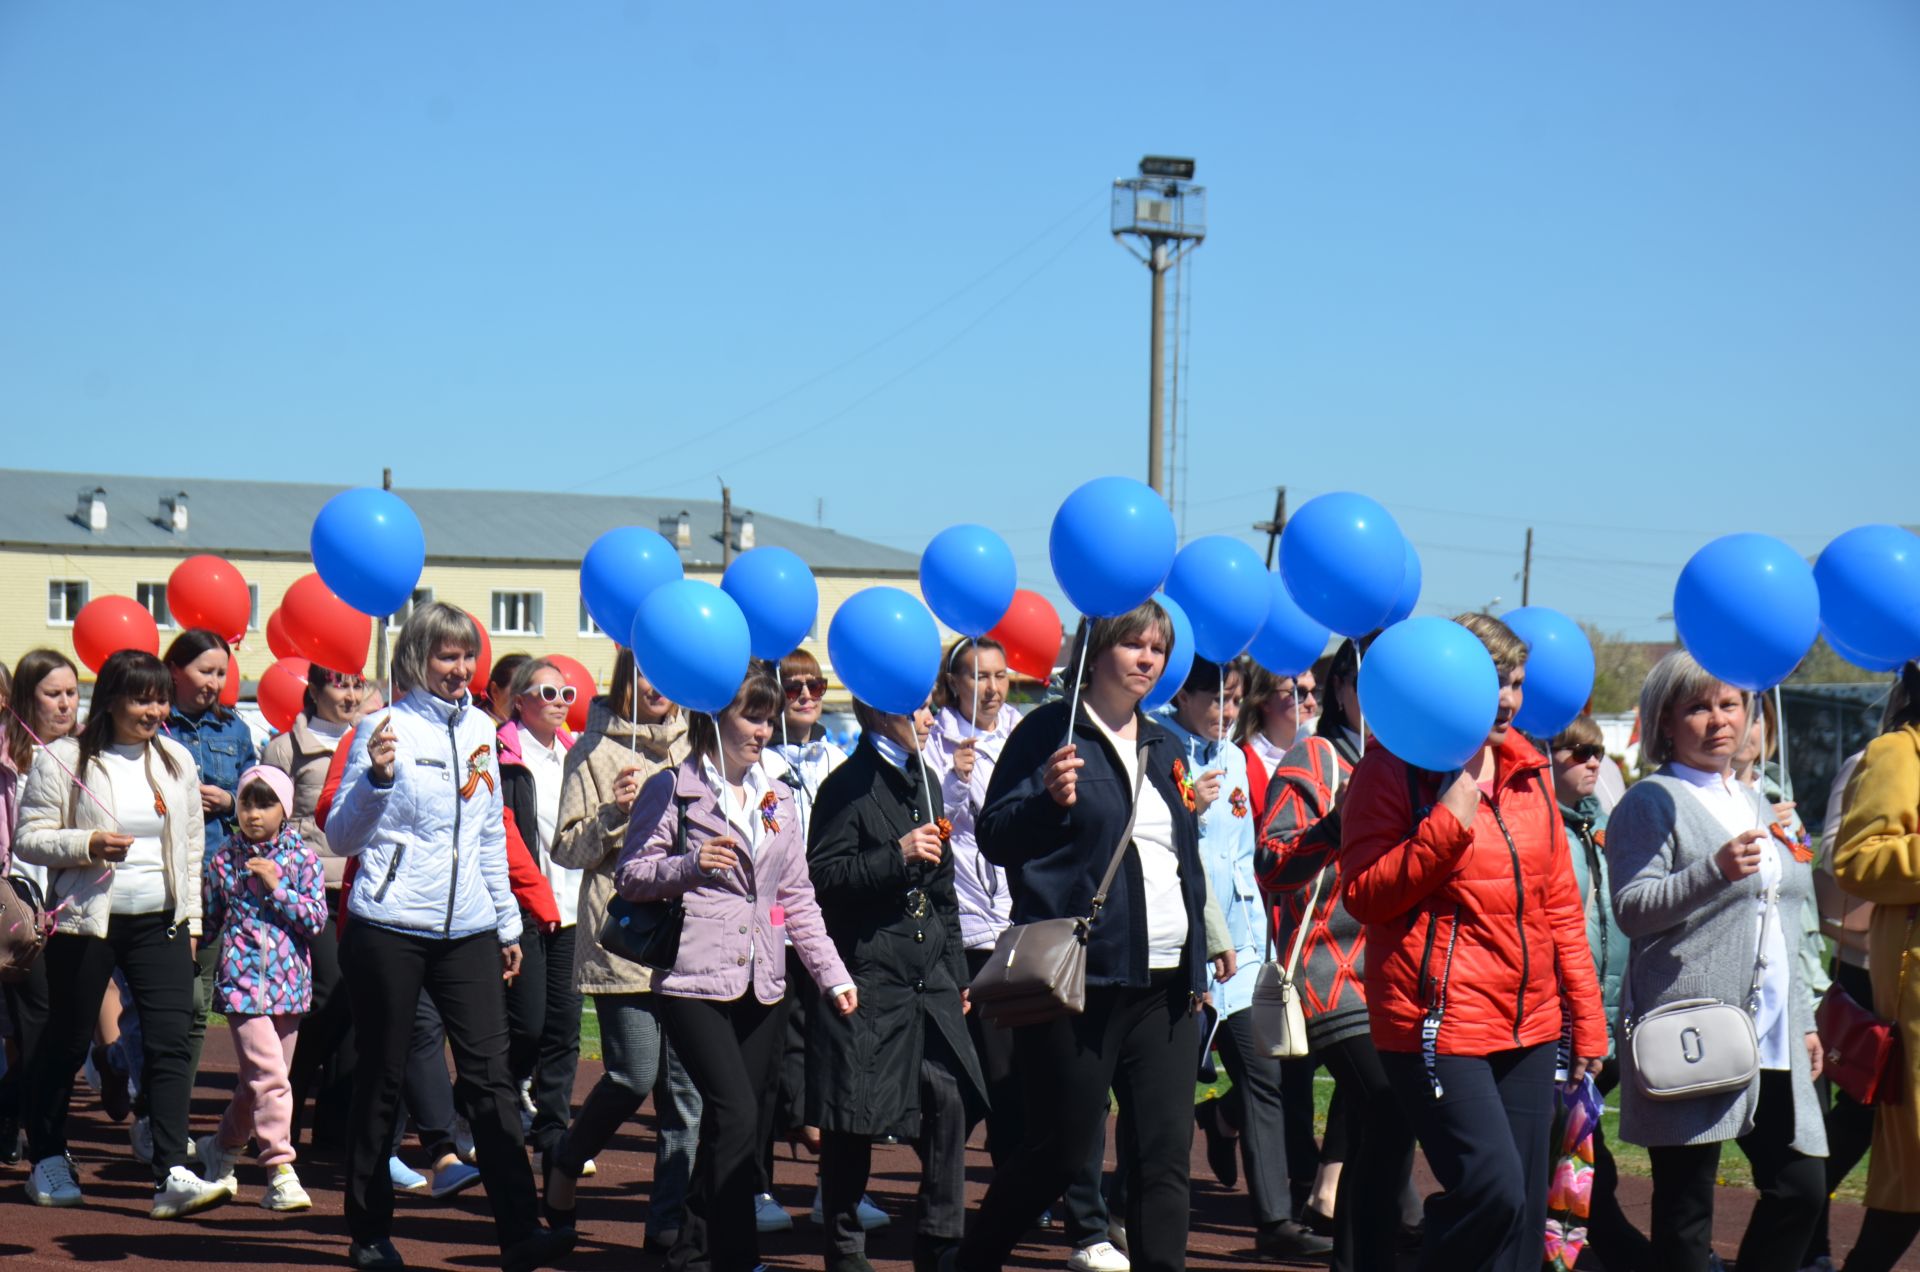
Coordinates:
[274,779]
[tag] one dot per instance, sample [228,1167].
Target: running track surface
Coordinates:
[457,1234]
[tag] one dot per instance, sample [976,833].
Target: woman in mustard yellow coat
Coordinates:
[1878,859]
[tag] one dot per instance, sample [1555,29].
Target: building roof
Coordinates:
[38,510]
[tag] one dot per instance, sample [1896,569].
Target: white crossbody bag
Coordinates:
[1279,1020]
[1701,1046]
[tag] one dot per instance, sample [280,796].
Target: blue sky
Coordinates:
[1634,274]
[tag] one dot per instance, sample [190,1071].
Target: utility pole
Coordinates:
[1163,208]
[1275,526]
[726,524]
[1526,571]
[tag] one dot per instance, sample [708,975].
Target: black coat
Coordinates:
[1055,856]
[863,1070]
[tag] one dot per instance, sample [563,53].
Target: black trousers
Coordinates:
[846,1160]
[1849,1122]
[730,1050]
[157,959]
[543,1023]
[1487,1140]
[1296,1099]
[27,1017]
[783,1103]
[1613,1238]
[1006,1113]
[1366,1207]
[424,1088]
[1143,1045]
[386,972]
[1791,1185]
[323,1063]
[1884,1238]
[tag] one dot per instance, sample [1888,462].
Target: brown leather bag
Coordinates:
[1038,971]
[24,928]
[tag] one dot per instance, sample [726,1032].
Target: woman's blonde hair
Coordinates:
[1674,679]
[426,629]
[1508,650]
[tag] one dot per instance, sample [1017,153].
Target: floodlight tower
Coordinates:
[1168,214]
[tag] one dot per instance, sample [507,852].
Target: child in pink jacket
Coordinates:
[265,894]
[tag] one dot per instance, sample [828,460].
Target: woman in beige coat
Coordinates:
[632,733]
[1878,860]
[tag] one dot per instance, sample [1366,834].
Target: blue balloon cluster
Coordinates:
[968,576]
[1429,691]
[691,642]
[1747,609]
[885,646]
[1173,677]
[1869,581]
[1409,589]
[1344,560]
[1559,669]
[620,570]
[1222,586]
[1111,545]
[1289,641]
[368,548]
[778,596]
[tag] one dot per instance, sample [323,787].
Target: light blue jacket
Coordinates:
[432,843]
[1226,846]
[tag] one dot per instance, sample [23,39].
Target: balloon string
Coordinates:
[47,750]
[633,699]
[1085,638]
[926,785]
[1780,723]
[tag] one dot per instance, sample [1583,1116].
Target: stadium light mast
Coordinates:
[1167,213]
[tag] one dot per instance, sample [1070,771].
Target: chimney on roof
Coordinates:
[92,512]
[743,531]
[173,512]
[677,530]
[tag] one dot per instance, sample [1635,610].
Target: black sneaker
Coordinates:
[541,1250]
[1290,1240]
[375,1256]
[10,1141]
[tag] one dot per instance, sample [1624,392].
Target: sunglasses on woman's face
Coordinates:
[798,689]
[1585,753]
[554,693]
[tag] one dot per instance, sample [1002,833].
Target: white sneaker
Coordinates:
[142,1136]
[871,1216]
[526,1097]
[185,1192]
[52,1183]
[769,1215]
[1099,1257]
[216,1163]
[284,1191]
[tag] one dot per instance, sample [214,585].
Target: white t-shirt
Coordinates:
[1159,865]
[547,764]
[327,733]
[1732,805]
[139,882]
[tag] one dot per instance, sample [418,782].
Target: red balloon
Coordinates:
[206,591]
[277,639]
[325,629]
[583,687]
[1031,633]
[482,665]
[283,692]
[230,691]
[108,624]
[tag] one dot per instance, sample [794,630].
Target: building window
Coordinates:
[153,599]
[516,613]
[421,596]
[65,599]
[253,607]
[587,626]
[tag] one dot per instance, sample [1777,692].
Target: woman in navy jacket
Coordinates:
[1053,816]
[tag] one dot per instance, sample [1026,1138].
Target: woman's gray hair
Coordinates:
[1673,680]
[426,629]
[523,681]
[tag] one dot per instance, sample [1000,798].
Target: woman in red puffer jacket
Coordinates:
[1475,935]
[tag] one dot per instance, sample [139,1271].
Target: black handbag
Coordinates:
[648,932]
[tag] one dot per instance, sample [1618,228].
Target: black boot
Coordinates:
[930,1254]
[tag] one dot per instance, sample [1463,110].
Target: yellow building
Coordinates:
[510,558]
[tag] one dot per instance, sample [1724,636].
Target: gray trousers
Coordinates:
[845,1161]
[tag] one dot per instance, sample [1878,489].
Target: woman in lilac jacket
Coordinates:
[722,835]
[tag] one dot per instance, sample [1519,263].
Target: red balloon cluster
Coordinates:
[207,591]
[109,624]
[1031,633]
[283,692]
[230,690]
[483,665]
[324,629]
[277,639]
[583,687]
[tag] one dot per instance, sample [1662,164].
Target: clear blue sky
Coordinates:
[1635,274]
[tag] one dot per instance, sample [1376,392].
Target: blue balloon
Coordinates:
[1747,609]
[1290,641]
[1409,588]
[968,577]
[1866,662]
[1173,677]
[618,572]
[1222,585]
[1869,581]
[775,590]
[1429,692]
[1344,560]
[1111,545]
[1559,669]
[886,648]
[691,642]
[369,549]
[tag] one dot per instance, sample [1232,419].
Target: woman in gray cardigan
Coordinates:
[1701,885]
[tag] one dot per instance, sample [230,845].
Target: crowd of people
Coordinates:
[391,883]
